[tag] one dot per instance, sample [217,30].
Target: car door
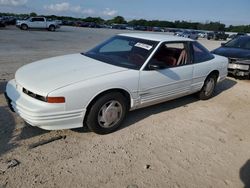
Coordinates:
[202,65]
[41,23]
[38,23]
[167,75]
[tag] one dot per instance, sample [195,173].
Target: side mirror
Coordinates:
[223,44]
[155,67]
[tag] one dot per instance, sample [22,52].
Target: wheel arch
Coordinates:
[52,25]
[24,24]
[123,91]
[214,72]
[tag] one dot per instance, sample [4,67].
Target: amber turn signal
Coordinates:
[55,99]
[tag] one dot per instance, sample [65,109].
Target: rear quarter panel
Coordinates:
[202,70]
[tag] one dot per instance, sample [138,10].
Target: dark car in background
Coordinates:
[217,35]
[140,28]
[2,22]
[238,53]
[7,20]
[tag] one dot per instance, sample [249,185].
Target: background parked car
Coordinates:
[2,22]
[187,34]
[178,33]
[118,26]
[10,20]
[68,23]
[190,34]
[202,34]
[37,23]
[157,29]
[59,22]
[238,52]
[140,28]
[217,35]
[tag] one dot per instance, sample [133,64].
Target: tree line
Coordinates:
[210,26]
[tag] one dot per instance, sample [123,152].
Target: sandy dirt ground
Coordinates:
[181,143]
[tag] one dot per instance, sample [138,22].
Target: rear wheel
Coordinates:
[107,113]
[207,90]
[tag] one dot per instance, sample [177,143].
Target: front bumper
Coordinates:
[18,25]
[239,69]
[41,114]
[8,100]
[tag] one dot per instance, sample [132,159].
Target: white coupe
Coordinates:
[99,87]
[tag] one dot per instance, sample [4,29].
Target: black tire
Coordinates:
[93,119]
[207,91]
[52,28]
[24,27]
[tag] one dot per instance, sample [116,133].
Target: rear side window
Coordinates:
[201,54]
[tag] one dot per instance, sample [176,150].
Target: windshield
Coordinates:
[123,51]
[239,42]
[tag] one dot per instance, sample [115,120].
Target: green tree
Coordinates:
[33,14]
[97,20]
[117,20]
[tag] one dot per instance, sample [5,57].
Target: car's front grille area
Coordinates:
[33,95]
[232,60]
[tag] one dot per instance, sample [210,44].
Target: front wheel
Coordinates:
[24,27]
[207,90]
[107,113]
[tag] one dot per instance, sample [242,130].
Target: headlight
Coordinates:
[238,66]
[44,99]
[244,61]
[242,64]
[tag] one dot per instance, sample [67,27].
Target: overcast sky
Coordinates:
[228,12]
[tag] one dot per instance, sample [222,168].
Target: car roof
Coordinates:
[155,37]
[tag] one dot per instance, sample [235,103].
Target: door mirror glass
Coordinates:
[156,66]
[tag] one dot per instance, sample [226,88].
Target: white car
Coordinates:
[99,87]
[37,23]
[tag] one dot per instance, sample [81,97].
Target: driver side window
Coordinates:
[170,55]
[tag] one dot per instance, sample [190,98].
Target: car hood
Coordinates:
[45,76]
[232,52]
